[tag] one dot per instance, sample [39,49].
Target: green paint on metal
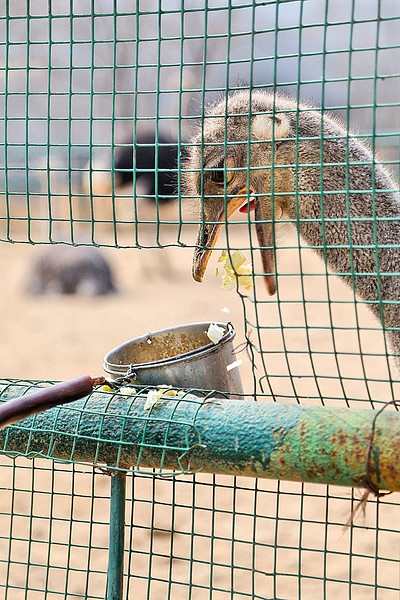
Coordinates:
[375,457]
[257,439]
[234,432]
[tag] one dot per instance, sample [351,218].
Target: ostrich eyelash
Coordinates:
[216,172]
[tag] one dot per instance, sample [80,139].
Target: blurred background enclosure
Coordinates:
[80,79]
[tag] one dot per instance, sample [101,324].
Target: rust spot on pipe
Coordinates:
[278,434]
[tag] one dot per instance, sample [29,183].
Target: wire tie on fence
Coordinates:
[371,487]
[129,377]
[103,470]
[244,347]
[186,456]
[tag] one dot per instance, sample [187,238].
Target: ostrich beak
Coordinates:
[265,241]
[208,235]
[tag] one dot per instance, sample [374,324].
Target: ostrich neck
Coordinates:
[356,233]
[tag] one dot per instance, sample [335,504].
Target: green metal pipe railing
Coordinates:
[338,446]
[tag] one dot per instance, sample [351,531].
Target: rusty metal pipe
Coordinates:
[258,439]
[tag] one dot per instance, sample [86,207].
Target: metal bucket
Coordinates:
[181,356]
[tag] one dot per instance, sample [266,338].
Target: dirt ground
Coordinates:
[286,541]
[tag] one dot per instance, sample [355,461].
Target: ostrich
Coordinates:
[71,270]
[304,168]
[153,178]
[157,179]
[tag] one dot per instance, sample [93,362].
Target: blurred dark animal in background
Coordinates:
[152,164]
[64,269]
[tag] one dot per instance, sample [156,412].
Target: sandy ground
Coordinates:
[285,541]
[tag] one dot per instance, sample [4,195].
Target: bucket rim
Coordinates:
[113,368]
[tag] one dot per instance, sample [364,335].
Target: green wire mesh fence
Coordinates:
[105,106]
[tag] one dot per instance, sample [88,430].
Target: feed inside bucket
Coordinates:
[182,356]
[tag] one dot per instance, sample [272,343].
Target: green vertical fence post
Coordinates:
[116,540]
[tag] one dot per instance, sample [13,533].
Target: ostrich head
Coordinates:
[236,133]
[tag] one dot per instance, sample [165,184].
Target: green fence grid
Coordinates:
[81,82]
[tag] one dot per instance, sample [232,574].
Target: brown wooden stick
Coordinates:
[20,408]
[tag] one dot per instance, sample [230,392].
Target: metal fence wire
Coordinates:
[159,125]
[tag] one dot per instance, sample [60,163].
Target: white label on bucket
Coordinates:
[215,333]
[235,364]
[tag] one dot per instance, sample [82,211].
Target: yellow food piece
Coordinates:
[154,396]
[105,388]
[127,390]
[234,267]
[215,333]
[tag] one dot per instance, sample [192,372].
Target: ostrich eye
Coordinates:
[217,174]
